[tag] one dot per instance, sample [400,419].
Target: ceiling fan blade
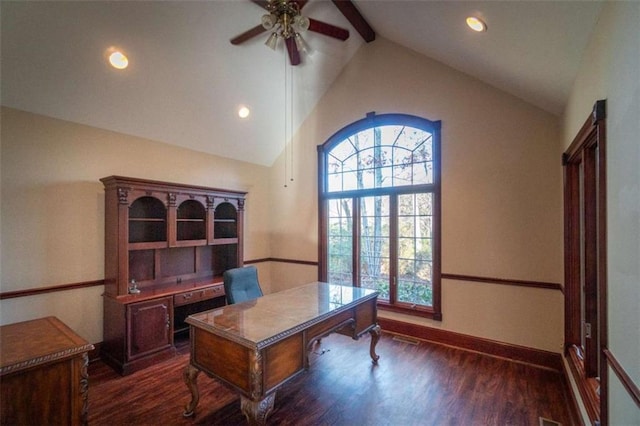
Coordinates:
[294,54]
[257,30]
[348,9]
[262,3]
[301,3]
[328,29]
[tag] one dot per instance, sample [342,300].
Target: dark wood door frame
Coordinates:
[585,242]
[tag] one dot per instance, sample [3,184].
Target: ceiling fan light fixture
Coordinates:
[272,41]
[268,21]
[300,43]
[476,24]
[301,23]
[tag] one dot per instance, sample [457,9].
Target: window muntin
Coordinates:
[380,193]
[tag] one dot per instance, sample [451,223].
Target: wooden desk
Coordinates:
[256,346]
[43,374]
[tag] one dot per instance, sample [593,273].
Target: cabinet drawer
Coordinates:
[197,295]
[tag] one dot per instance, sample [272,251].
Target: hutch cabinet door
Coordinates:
[150,326]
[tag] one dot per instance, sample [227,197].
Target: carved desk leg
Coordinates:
[84,389]
[375,337]
[257,411]
[191,379]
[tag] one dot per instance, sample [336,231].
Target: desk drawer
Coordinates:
[197,295]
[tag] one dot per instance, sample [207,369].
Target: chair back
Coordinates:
[241,284]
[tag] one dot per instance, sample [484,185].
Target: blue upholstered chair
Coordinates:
[241,284]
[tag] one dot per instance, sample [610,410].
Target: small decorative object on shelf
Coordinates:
[133,287]
[166,248]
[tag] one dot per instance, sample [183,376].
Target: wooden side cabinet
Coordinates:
[44,380]
[166,248]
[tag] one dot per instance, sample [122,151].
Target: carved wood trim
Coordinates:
[33,362]
[256,373]
[84,389]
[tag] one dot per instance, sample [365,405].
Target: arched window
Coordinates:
[379,189]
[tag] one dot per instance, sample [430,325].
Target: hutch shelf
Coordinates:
[166,247]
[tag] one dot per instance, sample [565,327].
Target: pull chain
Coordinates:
[285,118]
[291,134]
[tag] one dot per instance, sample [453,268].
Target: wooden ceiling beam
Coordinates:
[349,10]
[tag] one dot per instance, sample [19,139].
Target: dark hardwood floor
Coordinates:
[421,384]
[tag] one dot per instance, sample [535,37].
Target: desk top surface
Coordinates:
[258,321]
[30,343]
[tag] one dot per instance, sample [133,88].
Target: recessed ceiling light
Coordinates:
[476,24]
[243,112]
[118,60]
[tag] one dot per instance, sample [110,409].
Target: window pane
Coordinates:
[406,226]
[415,249]
[343,150]
[423,249]
[416,292]
[363,140]
[402,175]
[420,173]
[351,163]
[374,244]
[349,181]
[402,156]
[424,150]
[425,226]
[340,241]
[334,182]
[424,203]
[334,165]
[407,249]
[367,179]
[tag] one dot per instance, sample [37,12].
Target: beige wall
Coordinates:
[53,208]
[610,70]
[501,198]
[502,190]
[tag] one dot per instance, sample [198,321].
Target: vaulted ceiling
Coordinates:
[186,80]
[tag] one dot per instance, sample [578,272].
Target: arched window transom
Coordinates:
[385,156]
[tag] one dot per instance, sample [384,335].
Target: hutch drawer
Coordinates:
[194,296]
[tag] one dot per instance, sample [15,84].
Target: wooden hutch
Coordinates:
[166,247]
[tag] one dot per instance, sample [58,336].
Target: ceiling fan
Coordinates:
[285,21]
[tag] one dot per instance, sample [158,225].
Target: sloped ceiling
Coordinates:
[185,80]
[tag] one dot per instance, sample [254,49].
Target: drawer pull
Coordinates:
[187,296]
